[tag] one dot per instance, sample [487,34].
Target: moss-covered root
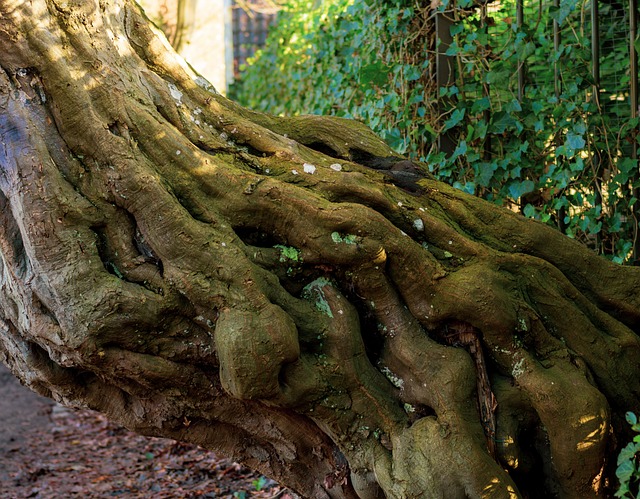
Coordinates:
[430,459]
[575,416]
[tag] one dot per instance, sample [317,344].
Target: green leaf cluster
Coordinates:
[627,470]
[559,151]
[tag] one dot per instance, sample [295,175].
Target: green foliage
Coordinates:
[259,483]
[627,470]
[288,253]
[314,291]
[346,239]
[556,153]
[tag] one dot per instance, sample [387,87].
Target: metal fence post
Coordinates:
[633,98]
[520,23]
[444,73]
[557,86]
[595,73]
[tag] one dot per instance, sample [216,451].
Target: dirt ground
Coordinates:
[50,452]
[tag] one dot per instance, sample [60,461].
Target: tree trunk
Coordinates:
[261,286]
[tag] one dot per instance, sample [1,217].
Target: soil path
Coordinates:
[21,413]
[50,452]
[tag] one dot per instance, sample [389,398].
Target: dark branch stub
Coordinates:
[462,334]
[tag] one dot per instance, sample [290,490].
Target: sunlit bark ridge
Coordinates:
[249,283]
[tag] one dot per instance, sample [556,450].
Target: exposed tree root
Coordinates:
[254,285]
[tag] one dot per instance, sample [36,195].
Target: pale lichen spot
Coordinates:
[178,152]
[518,369]
[309,168]
[336,166]
[204,83]
[395,380]
[295,172]
[408,408]
[400,204]
[175,93]
[418,224]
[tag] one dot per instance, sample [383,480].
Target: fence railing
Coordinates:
[250,29]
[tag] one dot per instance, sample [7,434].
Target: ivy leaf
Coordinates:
[460,150]
[626,166]
[454,119]
[411,73]
[625,470]
[529,211]
[480,105]
[484,173]
[416,99]
[561,13]
[502,121]
[573,143]
[496,77]
[519,189]
[376,73]
[452,49]
[512,106]
[456,29]
[537,106]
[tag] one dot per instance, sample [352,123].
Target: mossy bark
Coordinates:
[202,272]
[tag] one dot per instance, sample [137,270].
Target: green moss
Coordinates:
[314,291]
[288,253]
[346,239]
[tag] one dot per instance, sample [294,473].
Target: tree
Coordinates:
[263,287]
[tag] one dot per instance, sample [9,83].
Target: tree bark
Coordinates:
[286,291]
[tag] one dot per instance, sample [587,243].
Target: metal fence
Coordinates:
[251,24]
